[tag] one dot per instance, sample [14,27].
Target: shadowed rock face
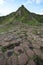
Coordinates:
[9,53]
[21,47]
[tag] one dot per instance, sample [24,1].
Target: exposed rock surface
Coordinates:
[21,47]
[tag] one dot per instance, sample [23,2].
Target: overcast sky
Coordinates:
[8,6]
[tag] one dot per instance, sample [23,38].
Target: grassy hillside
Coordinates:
[21,15]
[39,18]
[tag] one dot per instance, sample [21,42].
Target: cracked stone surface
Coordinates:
[22,46]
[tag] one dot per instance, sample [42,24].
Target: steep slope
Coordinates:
[21,15]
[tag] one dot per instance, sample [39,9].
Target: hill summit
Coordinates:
[23,15]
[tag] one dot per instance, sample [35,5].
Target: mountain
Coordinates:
[21,15]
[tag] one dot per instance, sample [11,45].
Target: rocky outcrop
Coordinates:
[21,47]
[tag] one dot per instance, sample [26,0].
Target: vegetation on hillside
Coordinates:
[21,15]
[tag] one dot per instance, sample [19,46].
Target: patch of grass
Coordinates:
[38,60]
[4,49]
[41,48]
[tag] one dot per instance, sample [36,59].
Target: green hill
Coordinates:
[21,15]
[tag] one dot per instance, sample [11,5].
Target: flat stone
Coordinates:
[31,62]
[36,46]
[2,61]
[5,43]
[22,59]
[37,51]
[30,53]
[26,45]
[12,60]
